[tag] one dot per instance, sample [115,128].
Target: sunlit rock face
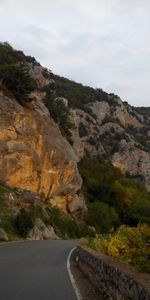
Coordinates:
[33,154]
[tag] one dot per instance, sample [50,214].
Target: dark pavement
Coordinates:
[35,270]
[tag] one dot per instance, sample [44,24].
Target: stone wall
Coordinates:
[113,279]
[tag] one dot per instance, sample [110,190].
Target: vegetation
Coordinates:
[23,223]
[67,227]
[91,141]
[60,113]
[127,202]
[82,130]
[102,216]
[20,225]
[14,76]
[143,110]
[130,245]
[17,80]
[77,94]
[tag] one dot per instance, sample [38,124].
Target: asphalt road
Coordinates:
[35,270]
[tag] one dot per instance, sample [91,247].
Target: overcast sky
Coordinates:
[101,43]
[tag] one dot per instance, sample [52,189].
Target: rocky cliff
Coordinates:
[108,127]
[33,153]
[35,129]
[116,132]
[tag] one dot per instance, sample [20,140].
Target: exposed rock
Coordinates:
[76,205]
[37,72]
[41,232]
[133,160]
[124,117]
[119,135]
[3,235]
[70,203]
[100,109]
[33,154]
[64,100]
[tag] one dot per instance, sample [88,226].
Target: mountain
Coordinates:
[108,127]
[56,133]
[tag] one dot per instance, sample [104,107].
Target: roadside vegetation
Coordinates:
[119,209]
[18,222]
[112,198]
[130,245]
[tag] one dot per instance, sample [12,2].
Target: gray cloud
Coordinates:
[103,43]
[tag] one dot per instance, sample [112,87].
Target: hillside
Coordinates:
[56,133]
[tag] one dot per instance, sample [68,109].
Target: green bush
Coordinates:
[91,141]
[139,212]
[82,130]
[66,226]
[23,223]
[17,81]
[60,113]
[77,94]
[103,217]
[104,183]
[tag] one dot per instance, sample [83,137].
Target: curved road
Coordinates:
[35,270]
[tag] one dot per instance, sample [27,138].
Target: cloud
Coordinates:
[103,43]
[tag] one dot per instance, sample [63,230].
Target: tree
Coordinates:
[102,217]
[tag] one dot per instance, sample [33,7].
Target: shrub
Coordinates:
[140,212]
[102,217]
[66,226]
[60,113]
[91,141]
[132,246]
[82,130]
[77,94]
[17,81]
[104,183]
[23,223]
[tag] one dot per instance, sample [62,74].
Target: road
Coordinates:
[35,270]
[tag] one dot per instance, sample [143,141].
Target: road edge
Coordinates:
[77,292]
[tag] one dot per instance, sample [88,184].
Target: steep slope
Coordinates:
[108,127]
[33,153]
[39,114]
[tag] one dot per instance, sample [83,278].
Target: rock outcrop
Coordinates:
[41,232]
[3,235]
[116,132]
[33,154]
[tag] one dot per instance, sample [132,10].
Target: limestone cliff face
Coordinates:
[34,155]
[118,133]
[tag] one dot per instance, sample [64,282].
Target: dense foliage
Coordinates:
[60,113]
[23,222]
[17,80]
[14,76]
[130,245]
[67,227]
[19,226]
[102,183]
[78,94]
[102,216]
